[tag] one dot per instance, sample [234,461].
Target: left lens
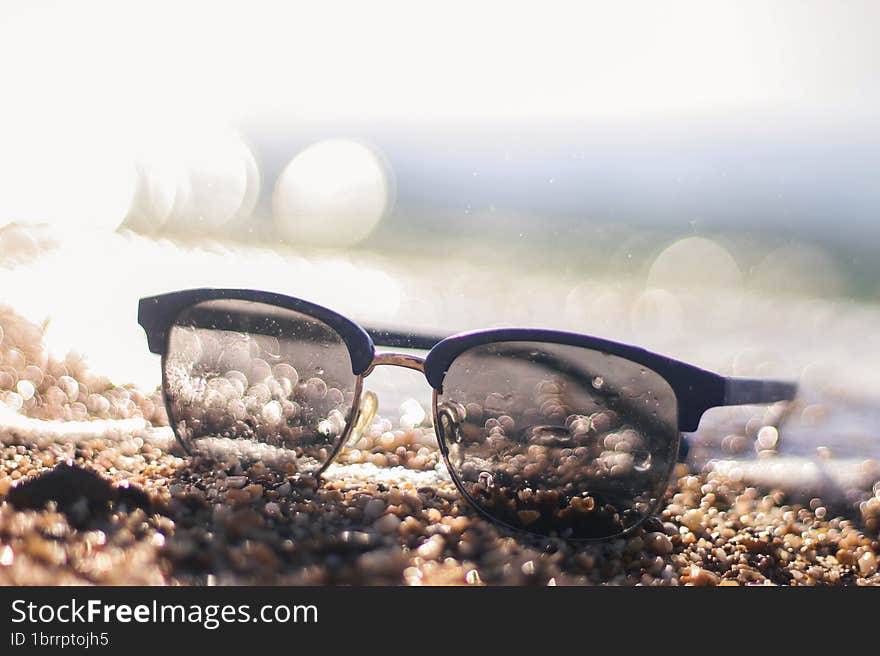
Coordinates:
[259,382]
[557,439]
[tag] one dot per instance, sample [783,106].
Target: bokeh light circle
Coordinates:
[694,262]
[194,181]
[333,193]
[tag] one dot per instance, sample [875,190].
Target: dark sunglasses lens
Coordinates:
[557,439]
[259,382]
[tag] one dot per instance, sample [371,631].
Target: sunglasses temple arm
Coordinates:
[745,391]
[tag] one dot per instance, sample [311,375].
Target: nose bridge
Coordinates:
[405,360]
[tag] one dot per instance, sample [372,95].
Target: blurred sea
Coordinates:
[792,197]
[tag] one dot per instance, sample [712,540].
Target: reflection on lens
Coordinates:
[258,381]
[557,439]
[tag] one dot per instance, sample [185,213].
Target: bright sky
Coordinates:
[121,62]
[91,87]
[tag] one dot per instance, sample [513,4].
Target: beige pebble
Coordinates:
[237,496]
[699,576]
[658,543]
[816,572]
[431,548]
[34,374]
[867,563]
[25,389]
[236,481]
[49,551]
[845,557]
[693,520]
[413,501]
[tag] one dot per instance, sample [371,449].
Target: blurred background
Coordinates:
[696,177]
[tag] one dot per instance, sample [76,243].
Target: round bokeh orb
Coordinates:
[334,193]
[194,181]
[694,262]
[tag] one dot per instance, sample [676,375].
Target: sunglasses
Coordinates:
[543,431]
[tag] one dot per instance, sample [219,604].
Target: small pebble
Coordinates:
[7,556]
[701,577]
[693,520]
[236,481]
[432,548]
[658,543]
[373,509]
[387,523]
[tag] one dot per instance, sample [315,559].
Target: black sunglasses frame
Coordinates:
[696,390]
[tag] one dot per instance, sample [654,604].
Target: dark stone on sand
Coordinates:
[72,488]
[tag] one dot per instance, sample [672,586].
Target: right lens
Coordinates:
[258,381]
[558,439]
